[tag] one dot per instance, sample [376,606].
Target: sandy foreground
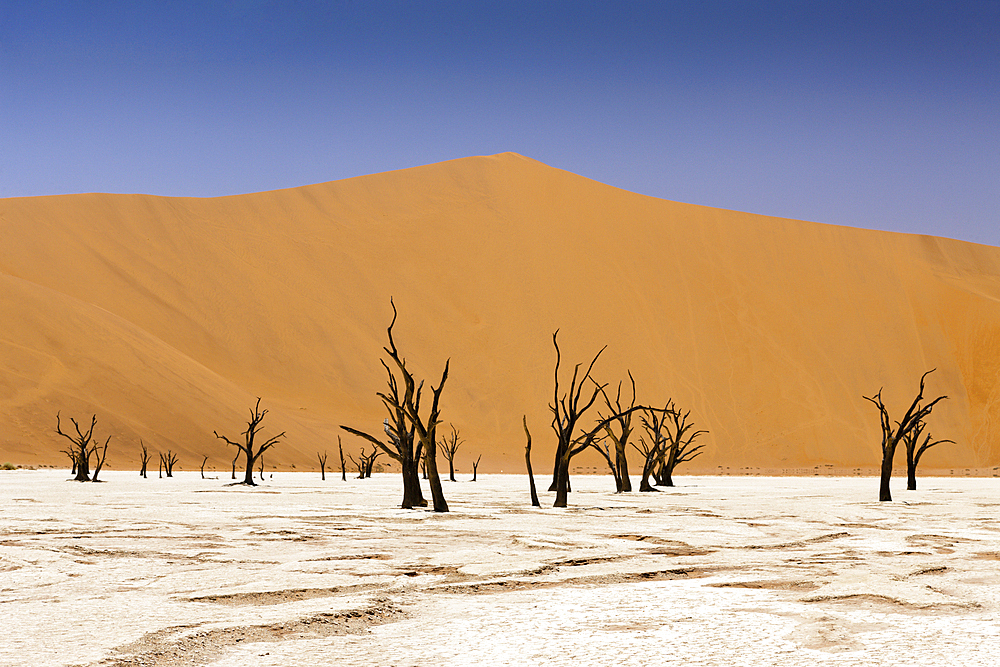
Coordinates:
[720,570]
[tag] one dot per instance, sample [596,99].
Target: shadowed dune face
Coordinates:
[166,316]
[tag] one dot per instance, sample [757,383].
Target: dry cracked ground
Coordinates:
[298,571]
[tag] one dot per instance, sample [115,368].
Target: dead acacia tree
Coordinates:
[649,457]
[566,413]
[203,462]
[618,431]
[370,462]
[101,455]
[410,434]
[144,458]
[449,446]
[343,464]
[915,449]
[892,436]
[475,467]
[527,462]
[652,422]
[360,464]
[167,462]
[679,446]
[82,448]
[322,465]
[249,448]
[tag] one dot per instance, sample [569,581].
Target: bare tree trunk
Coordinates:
[203,462]
[527,462]
[562,483]
[622,461]
[475,467]
[434,480]
[144,458]
[343,464]
[101,457]
[911,476]
[883,491]
[322,465]
[413,497]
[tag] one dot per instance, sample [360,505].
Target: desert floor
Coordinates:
[717,571]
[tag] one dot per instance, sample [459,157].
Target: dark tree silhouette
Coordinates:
[369,461]
[892,436]
[527,462]
[322,465]
[101,455]
[144,458]
[251,450]
[650,454]
[167,462]
[203,462]
[618,431]
[566,413]
[652,421]
[409,433]
[449,446]
[82,448]
[343,464]
[235,459]
[915,449]
[475,467]
[679,446]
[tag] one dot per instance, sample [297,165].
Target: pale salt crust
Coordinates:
[717,571]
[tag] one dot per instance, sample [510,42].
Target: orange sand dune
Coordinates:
[167,316]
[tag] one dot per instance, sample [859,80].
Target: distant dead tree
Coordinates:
[366,462]
[915,449]
[475,467]
[235,459]
[82,448]
[322,465]
[370,461]
[679,446]
[203,462]
[527,462]
[260,460]
[360,465]
[72,457]
[449,446]
[567,411]
[144,458]
[251,450]
[167,462]
[618,431]
[343,464]
[410,434]
[892,436]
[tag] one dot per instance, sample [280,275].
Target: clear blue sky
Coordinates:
[869,114]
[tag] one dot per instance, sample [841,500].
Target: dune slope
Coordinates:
[167,316]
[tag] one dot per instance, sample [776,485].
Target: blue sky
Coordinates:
[870,114]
